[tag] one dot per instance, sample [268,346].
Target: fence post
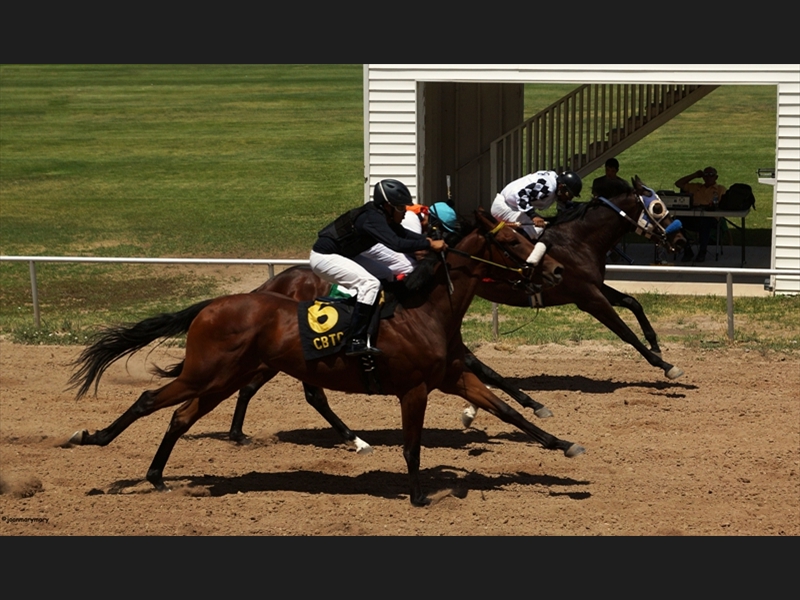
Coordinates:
[729,281]
[34,294]
[495,322]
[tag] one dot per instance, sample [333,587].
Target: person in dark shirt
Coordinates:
[377,221]
[610,184]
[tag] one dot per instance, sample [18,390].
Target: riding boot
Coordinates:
[359,344]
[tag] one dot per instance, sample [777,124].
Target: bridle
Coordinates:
[521,268]
[649,224]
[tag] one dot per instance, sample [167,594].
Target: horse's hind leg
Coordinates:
[316,397]
[490,377]
[245,395]
[149,402]
[182,419]
[617,298]
[469,387]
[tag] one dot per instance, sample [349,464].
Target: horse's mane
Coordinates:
[575,211]
[578,210]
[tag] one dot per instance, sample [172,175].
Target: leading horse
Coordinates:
[580,241]
[230,338]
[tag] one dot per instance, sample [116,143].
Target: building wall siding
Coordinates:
[391,121]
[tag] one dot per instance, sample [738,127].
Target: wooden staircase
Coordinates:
[584,128]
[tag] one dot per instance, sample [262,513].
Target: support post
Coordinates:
[35,295]
[729,281]
[495,322]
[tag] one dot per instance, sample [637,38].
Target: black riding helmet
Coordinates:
[573,182]
[392,191]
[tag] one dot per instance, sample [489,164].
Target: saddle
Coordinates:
[325,322]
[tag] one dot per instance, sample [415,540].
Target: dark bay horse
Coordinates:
[231,337]
[580,243]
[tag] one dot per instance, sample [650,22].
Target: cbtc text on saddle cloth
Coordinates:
[323,326]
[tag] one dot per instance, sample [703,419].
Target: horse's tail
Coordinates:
[115,342]
[171,371]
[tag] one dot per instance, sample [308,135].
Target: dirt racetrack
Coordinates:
[716,452]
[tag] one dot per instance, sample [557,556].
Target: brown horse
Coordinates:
[230,338]
[579,243]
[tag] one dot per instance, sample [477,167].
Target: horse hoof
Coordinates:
[238,438]
[574,450]
[77,437]
[468,416]
[543,413]
[674,373]
[362,447]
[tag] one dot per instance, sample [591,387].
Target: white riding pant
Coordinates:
[397,263]
[501,210]
[347,273]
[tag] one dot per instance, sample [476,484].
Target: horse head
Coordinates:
[654,220]
[516,251]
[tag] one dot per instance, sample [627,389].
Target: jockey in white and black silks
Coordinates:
[520,199]
[333,256]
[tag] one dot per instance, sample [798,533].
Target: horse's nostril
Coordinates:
[559,271]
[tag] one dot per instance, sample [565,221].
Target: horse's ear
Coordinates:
[485,217]
[638,185]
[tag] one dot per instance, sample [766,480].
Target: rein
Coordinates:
[491,239]
[517,270]
[646,231]
[522,271]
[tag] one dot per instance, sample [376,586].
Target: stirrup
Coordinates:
[359,347]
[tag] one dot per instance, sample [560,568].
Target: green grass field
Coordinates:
[239,161]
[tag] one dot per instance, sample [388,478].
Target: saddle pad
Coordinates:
[323,326]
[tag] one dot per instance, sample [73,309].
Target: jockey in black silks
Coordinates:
[332,255]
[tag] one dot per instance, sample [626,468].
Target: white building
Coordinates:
[422,122]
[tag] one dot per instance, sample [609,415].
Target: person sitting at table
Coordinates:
[705,196]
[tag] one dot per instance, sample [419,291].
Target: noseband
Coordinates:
[649,223]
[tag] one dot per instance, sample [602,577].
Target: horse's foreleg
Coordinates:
[412,408]
[182,419]
[617,298]
[596,305]
[469,387]
[149,402]
[490,377]
[245,395]
[316,397]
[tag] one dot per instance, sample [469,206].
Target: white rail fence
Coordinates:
[271,263]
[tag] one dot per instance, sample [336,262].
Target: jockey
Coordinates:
[389,264]
[333,255]
[519,200]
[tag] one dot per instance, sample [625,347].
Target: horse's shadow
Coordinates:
[380,484]
[579,383]
[431,438]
